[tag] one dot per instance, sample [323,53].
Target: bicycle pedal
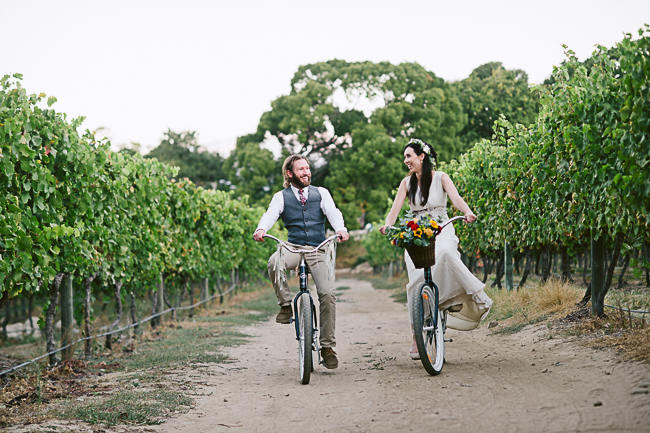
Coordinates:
[451,340]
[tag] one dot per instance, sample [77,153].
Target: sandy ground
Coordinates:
[525,382]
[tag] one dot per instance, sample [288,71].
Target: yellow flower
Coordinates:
[417,233]
[428,233]
[401,235]
[434,224]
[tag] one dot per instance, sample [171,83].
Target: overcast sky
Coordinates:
[137,68]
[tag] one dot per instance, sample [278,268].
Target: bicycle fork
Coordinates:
[302,274]
[428,280]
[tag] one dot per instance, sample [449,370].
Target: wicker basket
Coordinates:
[423,257]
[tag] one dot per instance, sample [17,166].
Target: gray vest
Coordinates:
[305,224]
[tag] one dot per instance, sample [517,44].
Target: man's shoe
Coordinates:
[285,314]
[329,357]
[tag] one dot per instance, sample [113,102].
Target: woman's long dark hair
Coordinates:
[427,167]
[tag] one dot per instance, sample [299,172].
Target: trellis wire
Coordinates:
[92,337]
[628,310]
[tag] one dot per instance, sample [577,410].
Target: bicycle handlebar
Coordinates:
[297,251]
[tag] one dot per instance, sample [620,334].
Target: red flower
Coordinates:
[412,225]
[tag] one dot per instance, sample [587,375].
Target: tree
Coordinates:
[314,118]
[346,116]
[491,91]
[362,182]
[181,149]
[252,171]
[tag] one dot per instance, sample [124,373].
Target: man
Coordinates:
[303,209]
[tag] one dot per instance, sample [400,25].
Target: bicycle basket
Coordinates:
[423,257]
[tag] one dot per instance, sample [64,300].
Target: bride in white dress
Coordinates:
[460,291]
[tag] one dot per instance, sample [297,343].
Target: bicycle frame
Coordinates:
[428,279]
[302,274]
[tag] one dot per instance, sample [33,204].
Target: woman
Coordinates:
[427,189]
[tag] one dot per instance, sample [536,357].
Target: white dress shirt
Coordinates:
[276,207]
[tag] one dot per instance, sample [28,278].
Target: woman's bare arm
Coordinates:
[397,206]
[456,199]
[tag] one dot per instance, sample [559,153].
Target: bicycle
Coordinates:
[304,312]
[429,322]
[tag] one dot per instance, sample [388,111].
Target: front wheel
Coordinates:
[305,337]
[428,330]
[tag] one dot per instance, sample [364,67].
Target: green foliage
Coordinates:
[181,149]
[70,205]
[491,91]
[379,251]
[344,144]
[358,187]
[581,169]
[253,171]
[130,407]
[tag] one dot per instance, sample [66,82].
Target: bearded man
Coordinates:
[303,209]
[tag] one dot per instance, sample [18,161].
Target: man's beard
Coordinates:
[297,182]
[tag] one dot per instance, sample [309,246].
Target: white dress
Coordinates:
[458,286]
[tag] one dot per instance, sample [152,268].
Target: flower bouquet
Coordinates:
[418,236]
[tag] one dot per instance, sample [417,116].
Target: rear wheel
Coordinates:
[305,337]
[429,331]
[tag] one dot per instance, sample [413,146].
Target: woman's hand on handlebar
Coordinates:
[383,229]
[470,217]
[343,235]
[259,235]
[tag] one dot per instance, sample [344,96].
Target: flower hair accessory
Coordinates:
[424,146]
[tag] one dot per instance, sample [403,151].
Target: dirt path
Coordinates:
[492,383]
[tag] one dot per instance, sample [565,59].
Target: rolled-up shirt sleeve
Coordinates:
[272,213]
[333,214]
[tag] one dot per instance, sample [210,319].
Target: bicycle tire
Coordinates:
[305,337]
[429,338]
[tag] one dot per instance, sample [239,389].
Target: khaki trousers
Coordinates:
[319,269]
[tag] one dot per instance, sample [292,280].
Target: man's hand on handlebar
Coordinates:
[343,235]
[259,235]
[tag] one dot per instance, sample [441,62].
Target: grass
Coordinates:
[139,390]
[531,305]
[397,285]
[201,340]
[619,330]
[632,297]
[554,302]
[129,407]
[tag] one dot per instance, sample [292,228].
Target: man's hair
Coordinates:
[288,165]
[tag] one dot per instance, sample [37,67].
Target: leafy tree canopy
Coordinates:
[252,171]
[490,91]
[181,149]
[339,114]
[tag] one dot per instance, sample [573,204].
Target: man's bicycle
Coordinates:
[304,312]
[429,322]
